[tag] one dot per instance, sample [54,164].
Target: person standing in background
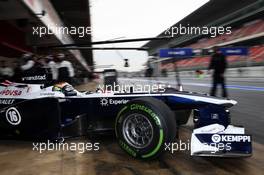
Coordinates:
[65,68]
[5,71]
[218,64]
[17,71]
[52,67]
[149,70]
[29,62]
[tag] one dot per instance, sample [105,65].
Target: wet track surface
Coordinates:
[19,158]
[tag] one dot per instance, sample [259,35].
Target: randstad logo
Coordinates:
[216,138]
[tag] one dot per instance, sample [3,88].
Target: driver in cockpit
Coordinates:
[65,88]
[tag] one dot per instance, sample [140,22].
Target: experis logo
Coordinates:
[106,101]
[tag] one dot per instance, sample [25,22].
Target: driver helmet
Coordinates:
[63,87]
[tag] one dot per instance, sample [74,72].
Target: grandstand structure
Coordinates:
[247,22]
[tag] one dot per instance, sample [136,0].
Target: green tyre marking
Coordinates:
[117,118]
[157,121]
[154,151]
[127,149]
[147,110]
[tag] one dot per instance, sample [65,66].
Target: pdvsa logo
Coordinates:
[13,116]
[11,92]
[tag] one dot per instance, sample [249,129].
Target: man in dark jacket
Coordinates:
[218,64]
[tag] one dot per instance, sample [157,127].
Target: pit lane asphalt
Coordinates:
[18,158]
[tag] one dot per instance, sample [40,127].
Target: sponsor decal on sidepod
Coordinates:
[106,101]
[11,92]
[6,101]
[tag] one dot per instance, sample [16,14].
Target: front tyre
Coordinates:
[143,126]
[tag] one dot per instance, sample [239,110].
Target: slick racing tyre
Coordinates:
[143,126]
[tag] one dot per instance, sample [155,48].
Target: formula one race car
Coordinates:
[143,122]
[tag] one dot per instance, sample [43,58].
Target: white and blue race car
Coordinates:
[143,122]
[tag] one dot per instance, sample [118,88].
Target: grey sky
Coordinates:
[134,19]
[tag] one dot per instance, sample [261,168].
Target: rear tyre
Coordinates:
[143,127]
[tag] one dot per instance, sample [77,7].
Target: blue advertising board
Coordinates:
[228,51]
[189,52]
[176,52]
